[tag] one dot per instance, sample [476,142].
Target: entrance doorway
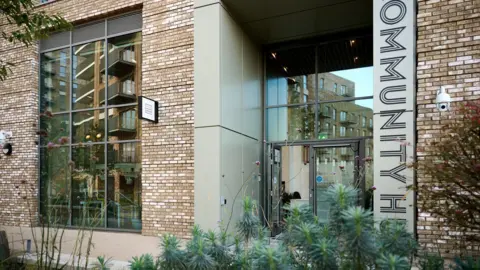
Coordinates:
[302,172]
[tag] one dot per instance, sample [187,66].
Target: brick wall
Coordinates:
[167,147]
[448,55]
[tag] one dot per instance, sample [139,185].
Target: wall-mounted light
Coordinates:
[99,135]
[7,149]
[87,137]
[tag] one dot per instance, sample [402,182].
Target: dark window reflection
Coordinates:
[88,126]
[54,79]
[88,186]
[124,186]
[54,129]
[123,124]
[88,74]
[55,184]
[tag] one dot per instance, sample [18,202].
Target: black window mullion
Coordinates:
[70,206]
[316,94]
[105,148]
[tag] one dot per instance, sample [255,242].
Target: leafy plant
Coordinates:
[172,256]
[468,263]
[431,261]
[349,240]
[102,263]
[392,262]
[25,25]
[451,171]
[144,262]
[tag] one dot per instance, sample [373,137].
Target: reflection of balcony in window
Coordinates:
[348,121]
[126,153]
[324,114]
[122,124]
[47,69]
[347,155]
[119,92]
[86,68]
[347,93]
[121,61]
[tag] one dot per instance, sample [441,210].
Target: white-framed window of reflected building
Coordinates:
[90,159]
[343,116]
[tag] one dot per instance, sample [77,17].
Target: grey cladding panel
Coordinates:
[125,23]
[88,32]
[55,40]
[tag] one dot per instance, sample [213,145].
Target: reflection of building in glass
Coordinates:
[104,132]
[335,119]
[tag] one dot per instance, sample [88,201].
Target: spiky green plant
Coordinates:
[431,261]
[144,262]
[217,248]
[349,240]
[392,262]
[268,257]
[248,224]
[172,256]
[341,197]
[324,254]
[359,236]
[394,238]
[198,256]
[102,263]
[468,263]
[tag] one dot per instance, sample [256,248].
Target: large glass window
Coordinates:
[344,72]
[90,148]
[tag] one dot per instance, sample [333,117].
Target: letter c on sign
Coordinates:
[396,19]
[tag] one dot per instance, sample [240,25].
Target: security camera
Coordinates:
[443,100]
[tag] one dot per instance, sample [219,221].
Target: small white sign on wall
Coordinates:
[148,109]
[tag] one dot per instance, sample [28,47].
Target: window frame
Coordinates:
[320,81]
[70,110]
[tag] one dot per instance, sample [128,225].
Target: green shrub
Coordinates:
[350,239]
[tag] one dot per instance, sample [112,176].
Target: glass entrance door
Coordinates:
[333,164]
[275,188]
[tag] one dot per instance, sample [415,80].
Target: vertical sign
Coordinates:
[394,109]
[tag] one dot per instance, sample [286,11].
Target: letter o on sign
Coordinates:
[398,17]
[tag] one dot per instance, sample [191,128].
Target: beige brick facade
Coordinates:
[448,50]
[167,147]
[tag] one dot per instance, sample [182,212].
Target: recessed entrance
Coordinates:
[318,122]
[301,174]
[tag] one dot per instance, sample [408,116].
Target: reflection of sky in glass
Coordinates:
[363,79]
